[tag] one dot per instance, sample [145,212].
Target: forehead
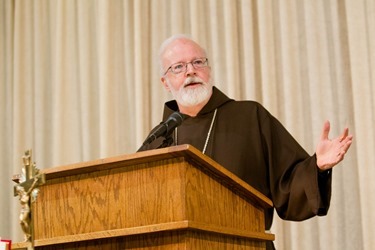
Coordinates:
[182,50]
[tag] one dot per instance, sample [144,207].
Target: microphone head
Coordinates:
[166,128]
[177,117]
[173,121]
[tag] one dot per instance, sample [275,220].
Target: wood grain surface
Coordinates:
[170,197]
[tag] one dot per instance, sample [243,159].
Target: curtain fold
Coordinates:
[80,80]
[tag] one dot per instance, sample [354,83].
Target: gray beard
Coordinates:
[192,97]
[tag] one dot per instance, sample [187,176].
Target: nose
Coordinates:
[190,70]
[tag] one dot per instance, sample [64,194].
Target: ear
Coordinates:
[165,84]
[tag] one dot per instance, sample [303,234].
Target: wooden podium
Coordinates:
[171,198]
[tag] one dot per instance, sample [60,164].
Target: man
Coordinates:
[245,138]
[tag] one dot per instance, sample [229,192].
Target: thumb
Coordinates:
[325,130]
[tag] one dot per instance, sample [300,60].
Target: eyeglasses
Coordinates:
[177,68]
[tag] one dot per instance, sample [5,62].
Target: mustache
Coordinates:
[193,79]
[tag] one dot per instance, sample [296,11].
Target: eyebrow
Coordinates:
[195,58]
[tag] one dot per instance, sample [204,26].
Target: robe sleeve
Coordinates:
[297,188]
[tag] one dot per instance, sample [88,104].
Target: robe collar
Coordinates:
[217,99]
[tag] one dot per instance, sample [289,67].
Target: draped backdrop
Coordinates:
[79,81]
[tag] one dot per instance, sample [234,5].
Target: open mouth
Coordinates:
[192,84]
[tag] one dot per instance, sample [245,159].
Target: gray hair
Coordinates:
[167,42]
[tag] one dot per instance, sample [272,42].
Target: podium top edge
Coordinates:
[188,152]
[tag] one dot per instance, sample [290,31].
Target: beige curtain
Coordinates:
[79,81]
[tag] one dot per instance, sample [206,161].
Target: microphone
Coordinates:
[165,128]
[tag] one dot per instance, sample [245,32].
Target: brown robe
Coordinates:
[247,140]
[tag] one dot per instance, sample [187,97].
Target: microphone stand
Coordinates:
[168,141]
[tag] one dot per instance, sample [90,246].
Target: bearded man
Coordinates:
[245,138]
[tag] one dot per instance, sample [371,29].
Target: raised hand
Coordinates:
[330,152]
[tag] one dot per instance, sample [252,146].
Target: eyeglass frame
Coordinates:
[205,61]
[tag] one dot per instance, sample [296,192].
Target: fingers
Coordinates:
[346,143]
[344,147]
[325,131]
[344,134]
[327,128]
